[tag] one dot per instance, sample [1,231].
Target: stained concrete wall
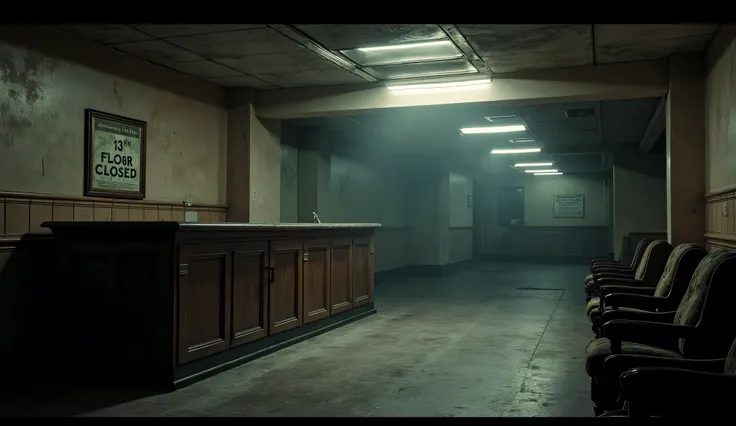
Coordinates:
[639,204]
[720,112]
[42,101]
[538,204]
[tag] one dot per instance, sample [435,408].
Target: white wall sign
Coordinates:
[115,165]
[568,206]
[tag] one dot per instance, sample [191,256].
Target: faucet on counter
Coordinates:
[315,218]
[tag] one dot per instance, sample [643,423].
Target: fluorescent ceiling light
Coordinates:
[532,164]
[547,174]
[493,129]
[405,46]
[515,151]
[541,171]
[445,85]
[403,53]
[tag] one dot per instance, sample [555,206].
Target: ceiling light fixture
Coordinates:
[444,85]
[541,171]
[532,164]
[515,151]
[492,129]
[547,174]
[405,46]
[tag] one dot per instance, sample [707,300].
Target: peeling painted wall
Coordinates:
[42,103]
[720,113]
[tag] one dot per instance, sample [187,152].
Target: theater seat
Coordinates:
[648,273]
[604,267]
[699,328]
[665,297]
[680,389]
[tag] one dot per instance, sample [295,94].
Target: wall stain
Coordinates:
[25,73]
[13,125]
[117,93]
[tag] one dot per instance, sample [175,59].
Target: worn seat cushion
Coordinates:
[596,312]
[593,303]
[599,349]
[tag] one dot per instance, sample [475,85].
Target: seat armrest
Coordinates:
[627,289]
[646,332]
[673,392]
[602,262]
[659,317]
[600,282]
[635,301]
[615,365]
[604,272]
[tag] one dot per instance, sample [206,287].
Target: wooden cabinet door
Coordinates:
[341,280]
[204,300]
[316,294]
[362,270]
[249,292]
[285,288]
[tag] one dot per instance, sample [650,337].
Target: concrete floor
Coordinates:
[496,340]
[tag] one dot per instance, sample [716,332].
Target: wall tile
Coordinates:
[63,211]
[164,213]
[2,216]
[22,214]
[41,211]
[150,213]
[120,212]
[84,211]
[102,212]
[177,214]
[17,215]
[135,213]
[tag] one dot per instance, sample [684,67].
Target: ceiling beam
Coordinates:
[654,129]
[594,148]
[467,50]
[629,80]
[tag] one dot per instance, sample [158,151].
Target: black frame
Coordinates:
[88,146]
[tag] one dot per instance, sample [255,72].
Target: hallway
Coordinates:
[495,340]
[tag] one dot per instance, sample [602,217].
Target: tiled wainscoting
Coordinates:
[21,213]
[720,219]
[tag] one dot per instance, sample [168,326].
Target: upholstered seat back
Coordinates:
[639,252]
[680,267]
[652,262]
[708,304]
[730,367]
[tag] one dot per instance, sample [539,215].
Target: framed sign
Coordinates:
[115,156]
[572,206]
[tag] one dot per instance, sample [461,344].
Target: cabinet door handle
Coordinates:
[271,273]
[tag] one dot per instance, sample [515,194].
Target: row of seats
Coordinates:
[665,339]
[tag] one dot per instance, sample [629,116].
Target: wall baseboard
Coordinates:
[421,271]
[574,260]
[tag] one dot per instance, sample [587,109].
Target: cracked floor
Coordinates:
[496,340]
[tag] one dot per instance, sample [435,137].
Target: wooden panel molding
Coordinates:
[720,219]
[21,213]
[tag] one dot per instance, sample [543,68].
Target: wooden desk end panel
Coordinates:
[285,289]
[362,270]
[249,292]
[204,300]
[341,279]
[316,294]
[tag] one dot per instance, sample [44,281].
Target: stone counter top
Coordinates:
[184,226]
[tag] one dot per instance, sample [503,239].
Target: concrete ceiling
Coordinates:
[575,145]
[273,56]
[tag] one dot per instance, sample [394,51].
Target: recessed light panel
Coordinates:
[422,69]
[492,129]
[516,151]
[434,50]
